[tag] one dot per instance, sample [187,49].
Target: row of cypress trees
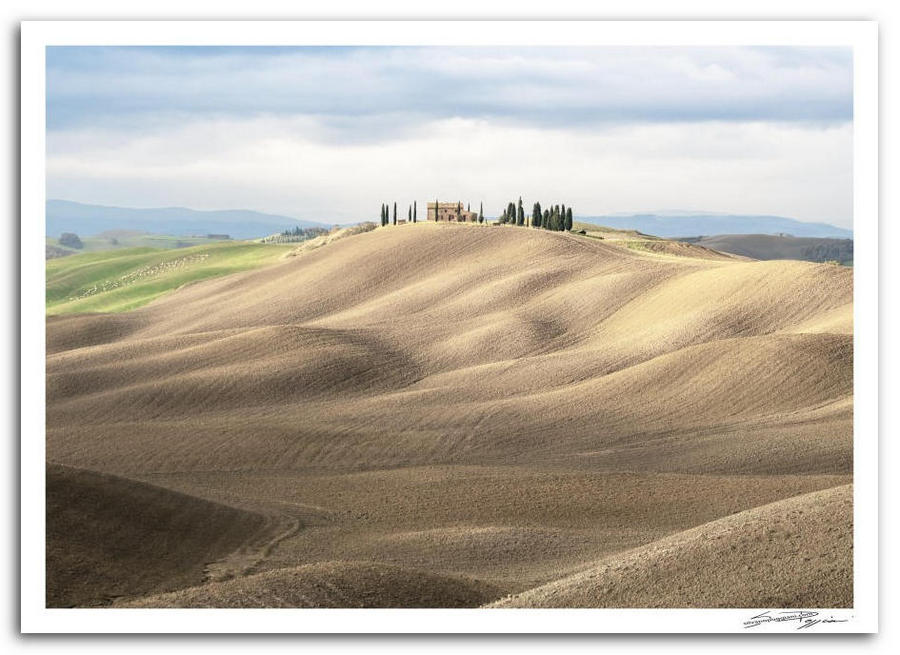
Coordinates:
[386,214]
[512,214]
[387,219]
[557,217]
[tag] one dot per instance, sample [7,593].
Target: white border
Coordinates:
[860,35]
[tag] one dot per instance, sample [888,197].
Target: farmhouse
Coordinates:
[451,211]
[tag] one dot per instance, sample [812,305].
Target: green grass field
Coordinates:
[123,240]
[123,279]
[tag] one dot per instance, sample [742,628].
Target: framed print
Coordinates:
[539,326]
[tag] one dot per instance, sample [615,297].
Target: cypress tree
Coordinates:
[481,213]
[458,210]
[536,215]
[395,212]
[409,215]
[568,218]
[521,214]
[435,210]
[545,221]
[414,211]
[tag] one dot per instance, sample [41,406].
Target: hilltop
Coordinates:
[488,409]
[638,241]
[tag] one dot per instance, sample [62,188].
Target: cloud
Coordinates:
[352,90]
[279,164]
[330,133]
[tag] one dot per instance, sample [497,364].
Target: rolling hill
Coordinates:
[331,584]
[770,246]
[504,408]
[745,560]
[124,239]
[86,220]
[108,536]
[128,278]
[685,224]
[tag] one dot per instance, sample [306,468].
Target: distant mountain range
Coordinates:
[86,220]
[82,219]
[684,224]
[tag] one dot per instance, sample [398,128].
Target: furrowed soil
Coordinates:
[451,415]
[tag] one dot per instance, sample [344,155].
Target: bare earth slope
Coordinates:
[403,395]
[792,553]
[107,536]
[331,584]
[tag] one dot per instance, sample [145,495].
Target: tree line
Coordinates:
[556,217]
[295,234]
[304,232]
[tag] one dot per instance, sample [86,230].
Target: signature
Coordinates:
[804,618]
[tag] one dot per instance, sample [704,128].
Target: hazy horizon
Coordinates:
[664,213]
[326,134]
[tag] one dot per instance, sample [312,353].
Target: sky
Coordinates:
[329,133]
